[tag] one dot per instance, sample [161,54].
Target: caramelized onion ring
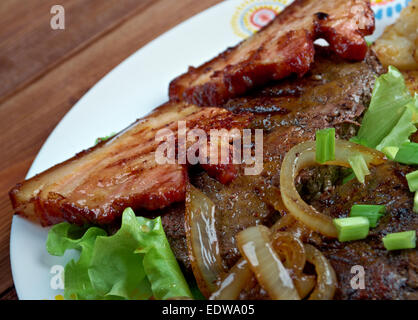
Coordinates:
[290,250]
[284,223]
[302,156]
[326,278]
[202,241]
[254,244]
[232,285]
[304,284]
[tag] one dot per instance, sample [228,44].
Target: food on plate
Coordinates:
[338,186]
[139,247]
[334,93]
[411,80]
[398,46]
[96,185]
[282,48]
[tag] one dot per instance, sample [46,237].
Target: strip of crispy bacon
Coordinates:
[283,47]
[97,184]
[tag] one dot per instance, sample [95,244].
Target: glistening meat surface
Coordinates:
[97,184]
[388,275]
[282,48]
[333,93]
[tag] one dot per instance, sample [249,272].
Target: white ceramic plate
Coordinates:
[130,91]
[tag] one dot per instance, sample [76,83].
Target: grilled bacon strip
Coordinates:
[282,48]
[97,184]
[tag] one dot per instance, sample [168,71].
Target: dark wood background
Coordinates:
[44,72]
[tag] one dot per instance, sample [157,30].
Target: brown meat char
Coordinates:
[333,88]
[388,274]
[282,48]
[333,93]
[96,185]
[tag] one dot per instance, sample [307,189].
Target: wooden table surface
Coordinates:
[44,72]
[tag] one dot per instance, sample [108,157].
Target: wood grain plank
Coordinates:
[28,45]
[9,294]
[28,117]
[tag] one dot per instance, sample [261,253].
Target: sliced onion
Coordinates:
[284,223]
[291,250]
[202,241]
[287,222]
[234,282]
[326,278]
[304,284]
[302,156]
[254,244]
[271,195]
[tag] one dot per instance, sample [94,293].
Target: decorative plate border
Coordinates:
[251,15]
[387,8]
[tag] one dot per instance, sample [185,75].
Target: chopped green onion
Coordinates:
[400,240]
[369,211]
[408,153]
[416,202]
[412,179]
[325,145]
[353,228]
[390,152]
[359,166]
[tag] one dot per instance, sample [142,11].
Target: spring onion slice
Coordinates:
[352,228]
[372,212]
[325,145]
[416,202]
[390,152]
[359,166]
[412,179]
[407,153]
[400,240]
[303,156]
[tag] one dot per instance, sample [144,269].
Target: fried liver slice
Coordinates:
[97,184]
[282,48]
[334,93]
[388,274]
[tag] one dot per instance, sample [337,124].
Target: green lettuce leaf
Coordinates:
[160,264]
[65,236]
[407,154]
[134,263]
[401,131]
[414,106]
[100,139]
[387,106]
